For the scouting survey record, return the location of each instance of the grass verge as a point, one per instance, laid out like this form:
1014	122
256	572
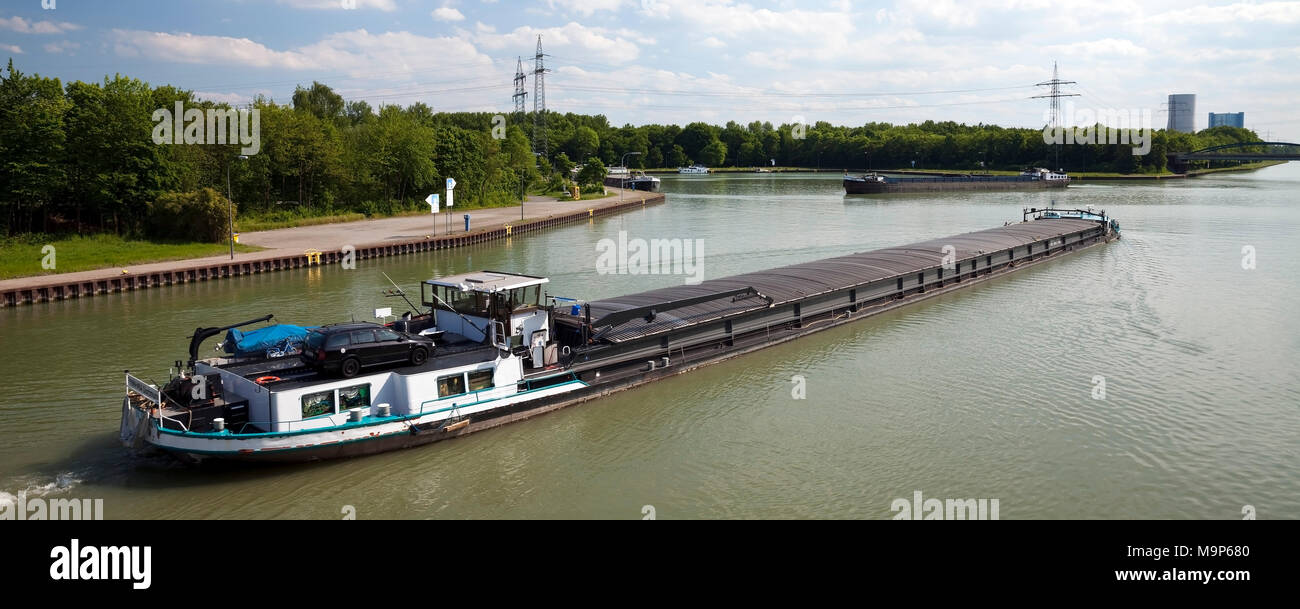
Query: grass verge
24	256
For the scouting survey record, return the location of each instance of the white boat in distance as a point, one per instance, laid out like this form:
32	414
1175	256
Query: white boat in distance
694	169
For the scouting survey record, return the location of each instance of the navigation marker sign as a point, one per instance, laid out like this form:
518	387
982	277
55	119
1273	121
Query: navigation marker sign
432	200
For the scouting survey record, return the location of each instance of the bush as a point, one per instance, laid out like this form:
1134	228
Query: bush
190	216
556	184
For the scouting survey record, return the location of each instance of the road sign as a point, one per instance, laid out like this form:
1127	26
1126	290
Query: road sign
432	200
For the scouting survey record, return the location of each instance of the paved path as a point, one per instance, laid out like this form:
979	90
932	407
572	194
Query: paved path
326	237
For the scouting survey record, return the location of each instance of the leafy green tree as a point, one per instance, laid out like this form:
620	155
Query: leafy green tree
586	142
592	175
32	111
320	100
713	154
563	164
654	158
359	112
694	137
677	157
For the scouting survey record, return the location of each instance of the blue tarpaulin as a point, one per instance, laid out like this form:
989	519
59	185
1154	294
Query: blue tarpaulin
257	342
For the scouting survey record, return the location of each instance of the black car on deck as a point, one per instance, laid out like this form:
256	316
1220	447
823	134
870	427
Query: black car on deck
347	348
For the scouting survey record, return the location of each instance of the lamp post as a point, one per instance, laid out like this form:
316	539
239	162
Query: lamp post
230	208
622	182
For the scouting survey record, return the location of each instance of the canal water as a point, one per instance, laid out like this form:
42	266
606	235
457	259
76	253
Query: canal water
990	393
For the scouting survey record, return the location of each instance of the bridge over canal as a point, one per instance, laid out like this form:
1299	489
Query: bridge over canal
1243	151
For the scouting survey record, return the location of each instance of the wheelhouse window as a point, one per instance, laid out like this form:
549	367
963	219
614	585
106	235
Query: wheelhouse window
357	396
465	303
525	297
451	385
317	404
480	380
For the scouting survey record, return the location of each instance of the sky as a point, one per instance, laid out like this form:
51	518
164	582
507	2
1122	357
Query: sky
679	61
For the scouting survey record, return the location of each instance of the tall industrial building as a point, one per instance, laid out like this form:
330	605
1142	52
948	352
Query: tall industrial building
1228	119
1182	112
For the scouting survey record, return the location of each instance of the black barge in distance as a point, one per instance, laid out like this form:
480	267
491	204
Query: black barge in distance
619	342
1029	179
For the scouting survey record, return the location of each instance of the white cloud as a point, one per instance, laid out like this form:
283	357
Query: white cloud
383	5
447	13
192	48
12	48
356	52
65	46
713	42
1092	49
571	41
23	26
585	7
1244	12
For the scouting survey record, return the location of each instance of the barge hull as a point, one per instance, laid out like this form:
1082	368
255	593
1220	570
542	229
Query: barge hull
867	187
642	358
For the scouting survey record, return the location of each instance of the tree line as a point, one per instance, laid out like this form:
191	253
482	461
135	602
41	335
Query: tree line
81	157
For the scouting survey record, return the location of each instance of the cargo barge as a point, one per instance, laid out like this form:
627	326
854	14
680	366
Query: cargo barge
875	183
506	352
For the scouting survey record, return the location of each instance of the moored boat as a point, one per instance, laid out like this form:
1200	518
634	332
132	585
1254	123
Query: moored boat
693	170
632	180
